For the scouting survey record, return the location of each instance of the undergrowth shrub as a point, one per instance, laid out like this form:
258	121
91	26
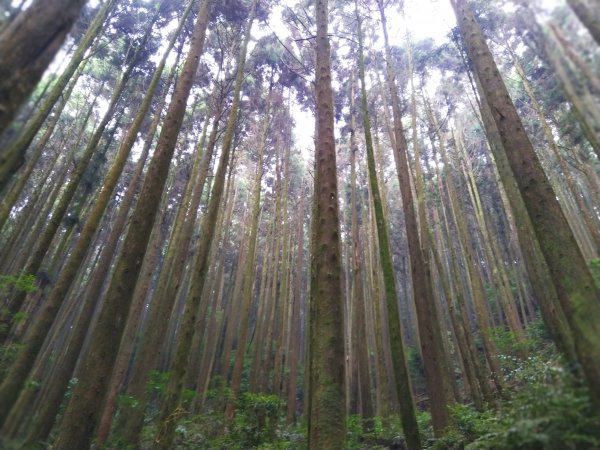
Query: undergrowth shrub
548	409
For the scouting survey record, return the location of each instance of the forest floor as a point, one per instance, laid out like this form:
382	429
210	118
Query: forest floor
545	407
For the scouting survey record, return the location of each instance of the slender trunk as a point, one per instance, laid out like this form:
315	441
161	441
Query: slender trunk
359	302
167	420
294	354
434	360
248	277
284	297
84	407
234	304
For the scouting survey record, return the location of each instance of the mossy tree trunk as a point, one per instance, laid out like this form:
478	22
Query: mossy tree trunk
170	404
326	402
402	378
37	33
85	405
571	276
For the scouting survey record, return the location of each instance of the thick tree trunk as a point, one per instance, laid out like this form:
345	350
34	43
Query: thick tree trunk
574	283
588	11
326	403
38	33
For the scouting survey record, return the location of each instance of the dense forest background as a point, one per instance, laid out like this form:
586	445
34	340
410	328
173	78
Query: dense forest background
290	224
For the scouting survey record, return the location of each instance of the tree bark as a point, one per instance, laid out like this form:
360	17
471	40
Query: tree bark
38	33
84	407
248	277
588	12
326	402
170	404
574	283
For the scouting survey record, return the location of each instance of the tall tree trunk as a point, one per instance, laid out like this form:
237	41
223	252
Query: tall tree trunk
84	407
357	292
38	33
248	277
588	11
326	403
167	420
295	335
574	283
434	358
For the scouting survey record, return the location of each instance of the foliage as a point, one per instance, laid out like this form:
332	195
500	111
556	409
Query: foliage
157	383
548	408
537	337
378	432
257	424
17	283
22	283
8	353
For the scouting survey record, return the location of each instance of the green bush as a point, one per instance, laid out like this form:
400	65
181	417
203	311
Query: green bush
22	283
257	424
548	409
